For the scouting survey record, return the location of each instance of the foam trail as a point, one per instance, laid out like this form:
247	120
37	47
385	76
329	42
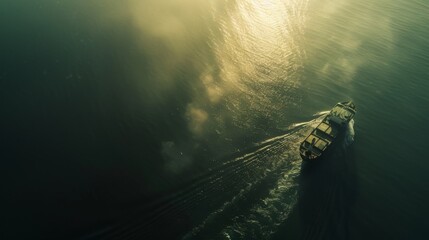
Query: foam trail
295	125
265	202
249	195
272	209
321	113
350	133
313	122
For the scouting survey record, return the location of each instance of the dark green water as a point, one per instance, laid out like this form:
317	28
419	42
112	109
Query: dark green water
181	119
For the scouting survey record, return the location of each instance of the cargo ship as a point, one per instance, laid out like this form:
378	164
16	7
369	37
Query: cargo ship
327	132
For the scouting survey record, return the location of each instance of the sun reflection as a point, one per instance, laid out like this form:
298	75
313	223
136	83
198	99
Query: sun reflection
258	53
252	58
260	37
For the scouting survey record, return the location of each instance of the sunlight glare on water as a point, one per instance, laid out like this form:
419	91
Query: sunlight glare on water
259	57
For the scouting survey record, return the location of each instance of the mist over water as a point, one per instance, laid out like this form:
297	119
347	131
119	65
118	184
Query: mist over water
182	119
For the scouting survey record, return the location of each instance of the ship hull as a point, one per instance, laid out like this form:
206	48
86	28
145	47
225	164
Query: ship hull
328	132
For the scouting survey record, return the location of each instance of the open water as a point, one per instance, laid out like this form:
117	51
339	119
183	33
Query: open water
181	119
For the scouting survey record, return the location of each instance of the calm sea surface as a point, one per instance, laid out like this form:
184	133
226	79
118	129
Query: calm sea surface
181	119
